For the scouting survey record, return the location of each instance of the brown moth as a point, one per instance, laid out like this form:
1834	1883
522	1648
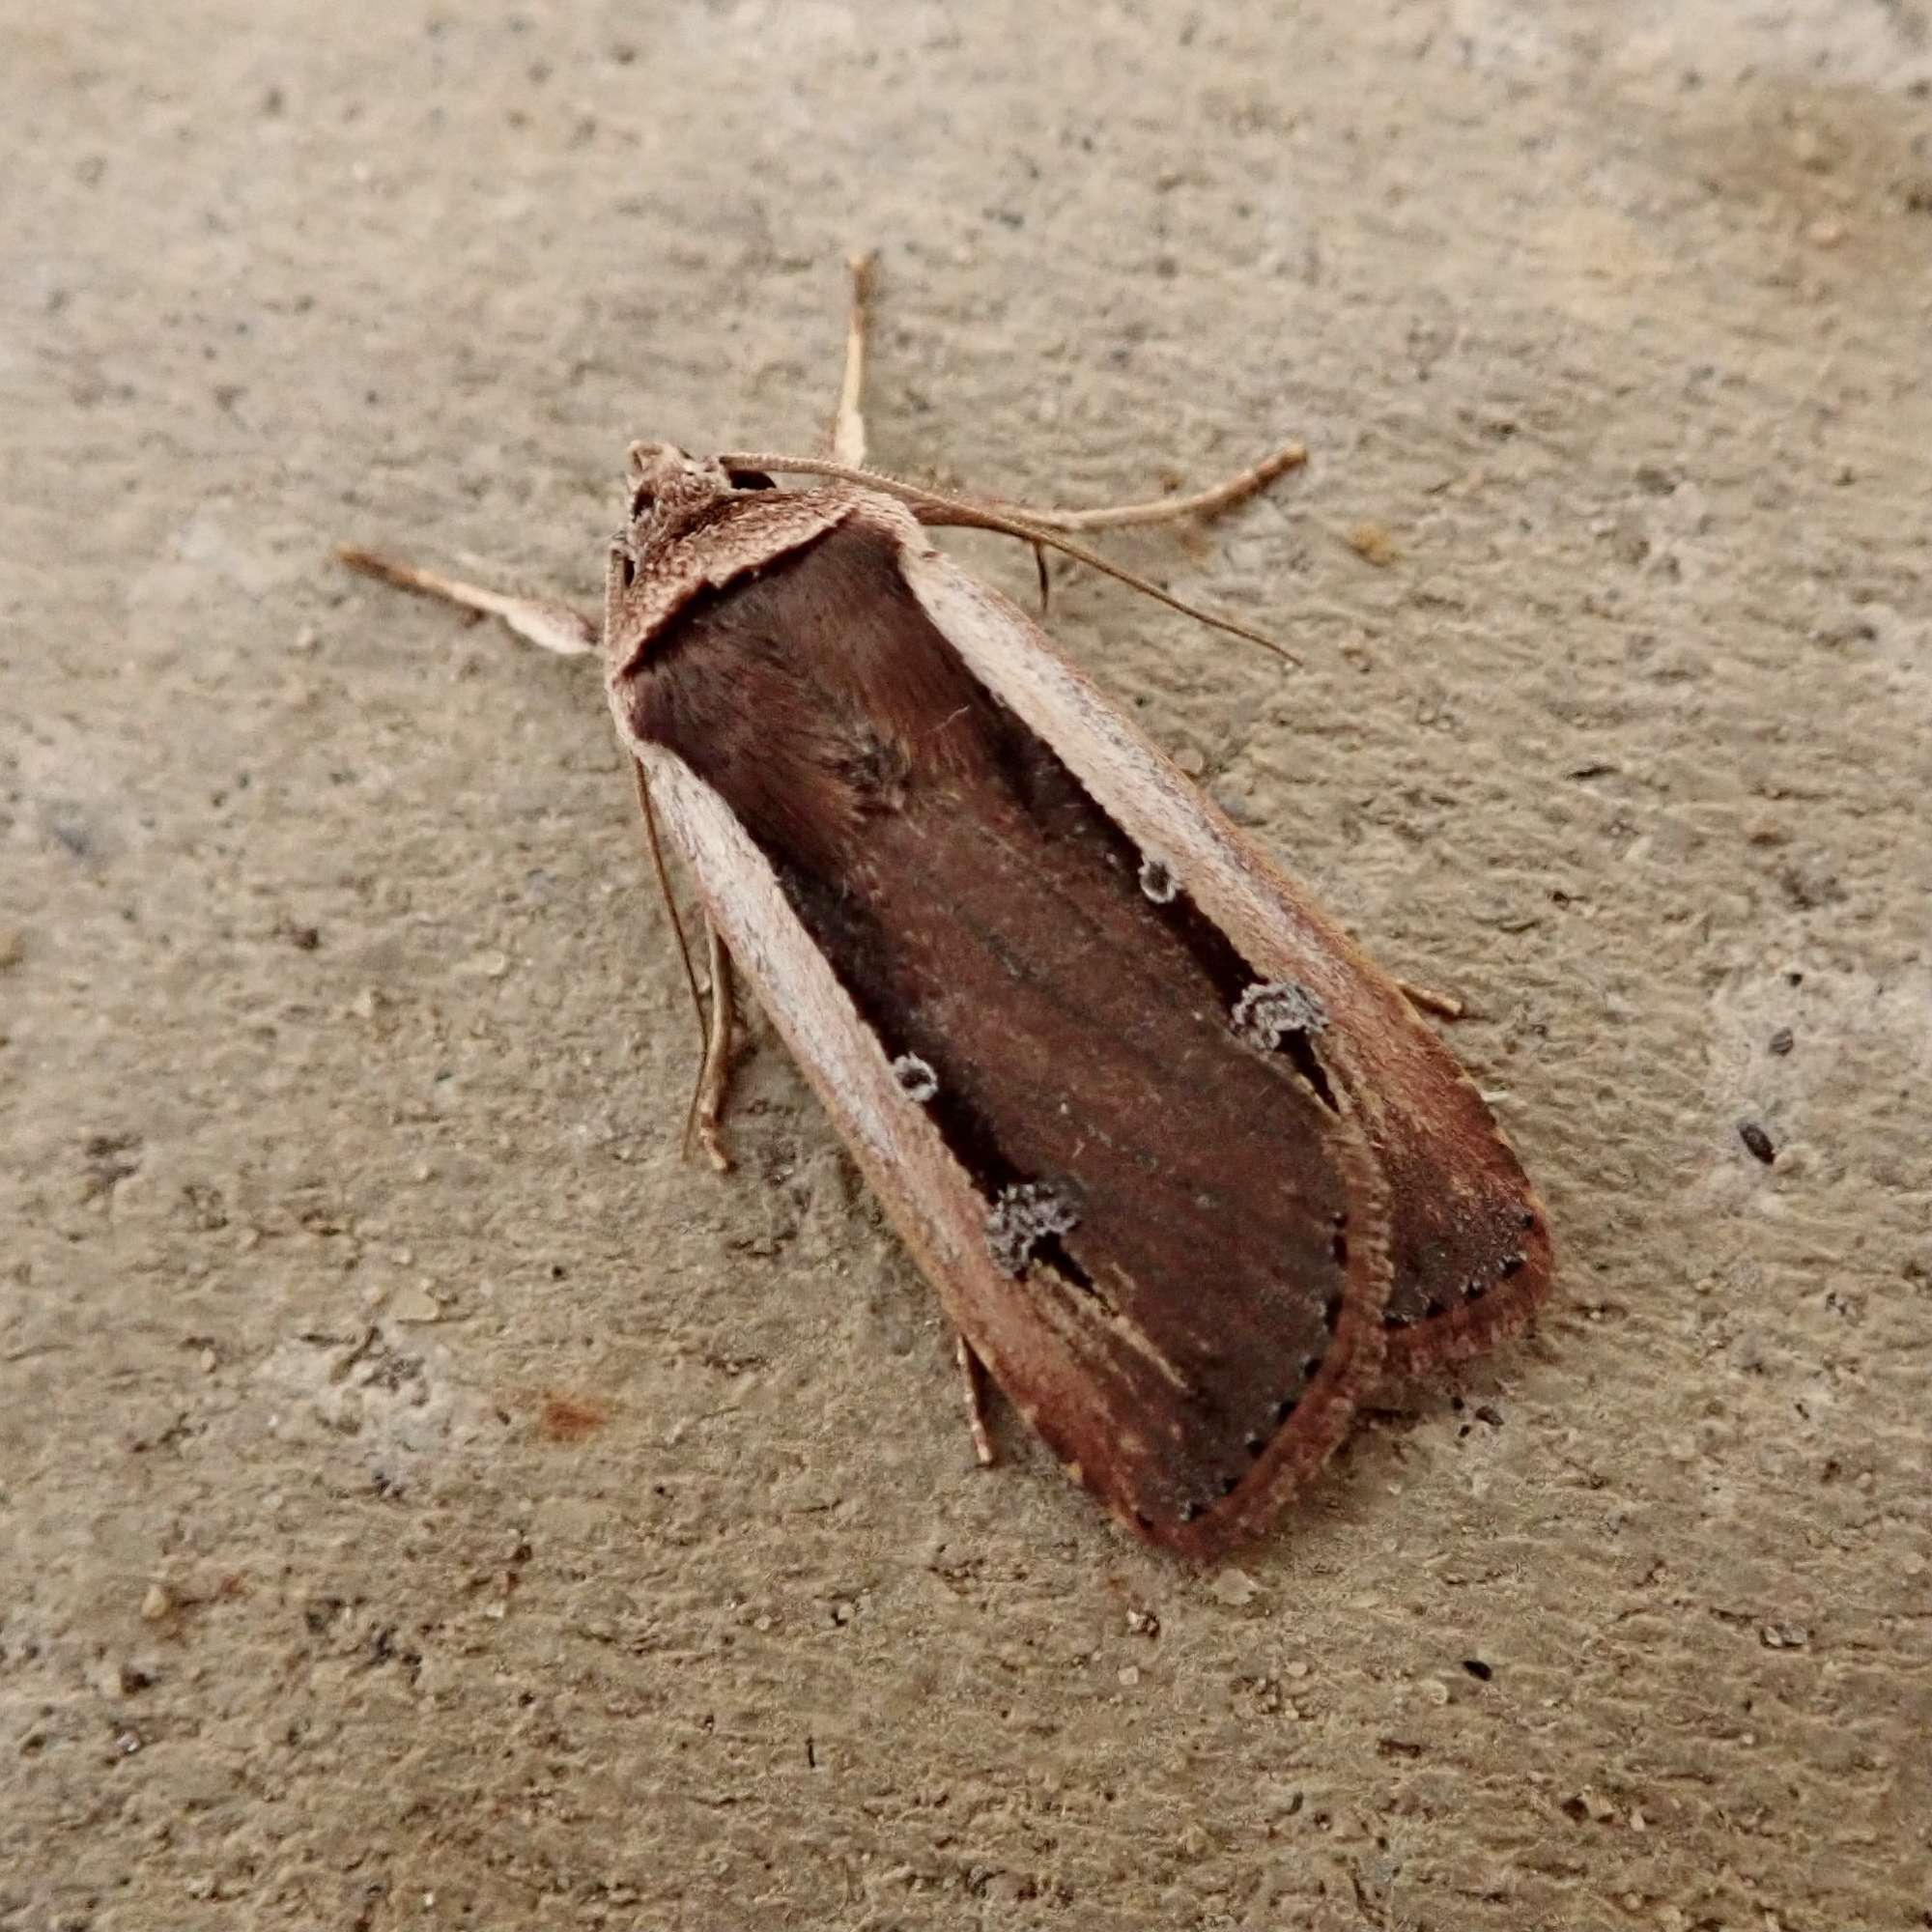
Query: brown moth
1189	1174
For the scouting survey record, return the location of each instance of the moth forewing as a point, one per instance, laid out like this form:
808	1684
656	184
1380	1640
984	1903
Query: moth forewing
1469	1245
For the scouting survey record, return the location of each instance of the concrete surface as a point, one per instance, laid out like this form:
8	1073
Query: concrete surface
427	1501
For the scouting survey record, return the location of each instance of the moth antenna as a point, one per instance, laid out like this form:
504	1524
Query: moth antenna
1039	571
663	876
965	513
1207	502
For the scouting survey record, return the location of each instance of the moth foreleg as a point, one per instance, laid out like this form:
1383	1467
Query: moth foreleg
1425	998
714	1075
547	621
974	1373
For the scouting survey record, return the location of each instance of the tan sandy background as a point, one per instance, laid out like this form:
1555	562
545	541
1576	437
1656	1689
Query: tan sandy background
428	1501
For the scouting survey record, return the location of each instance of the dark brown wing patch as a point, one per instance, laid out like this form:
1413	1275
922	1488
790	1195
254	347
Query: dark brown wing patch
1188	1208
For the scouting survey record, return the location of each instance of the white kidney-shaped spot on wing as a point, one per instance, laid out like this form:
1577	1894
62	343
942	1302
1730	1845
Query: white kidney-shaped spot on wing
1023	1216
916	1079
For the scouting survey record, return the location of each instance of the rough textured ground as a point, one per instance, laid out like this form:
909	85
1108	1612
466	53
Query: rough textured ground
426	1499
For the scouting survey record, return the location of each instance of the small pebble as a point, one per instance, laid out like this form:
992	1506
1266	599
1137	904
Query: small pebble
416	1305
1372	544
1234	1588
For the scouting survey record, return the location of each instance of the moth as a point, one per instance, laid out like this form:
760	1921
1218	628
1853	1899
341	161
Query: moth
1189	1172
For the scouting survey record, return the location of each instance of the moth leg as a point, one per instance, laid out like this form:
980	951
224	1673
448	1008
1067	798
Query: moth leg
544	620
714	1015
848	423
1209	503
1427	1000
714	1076
974	1373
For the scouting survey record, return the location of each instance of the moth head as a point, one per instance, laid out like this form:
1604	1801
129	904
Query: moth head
664	479
671	494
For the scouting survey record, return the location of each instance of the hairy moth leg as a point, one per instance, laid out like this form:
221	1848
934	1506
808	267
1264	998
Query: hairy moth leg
1427	1000
559	627
714	1076
972	1373
1207	502
849	421
545	621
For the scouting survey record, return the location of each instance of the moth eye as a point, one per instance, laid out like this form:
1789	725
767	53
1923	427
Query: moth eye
626	563
748	479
